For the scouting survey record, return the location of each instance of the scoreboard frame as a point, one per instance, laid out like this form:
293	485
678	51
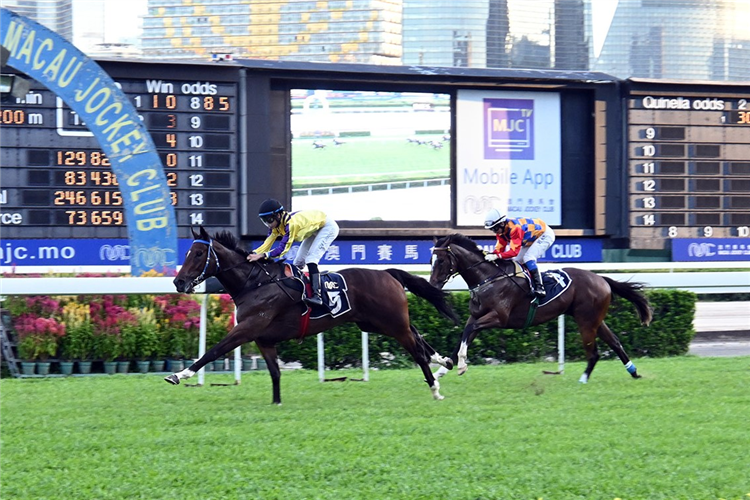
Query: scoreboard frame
688	162
57	180
604	130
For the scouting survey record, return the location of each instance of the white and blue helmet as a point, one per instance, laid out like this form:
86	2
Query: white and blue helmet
493	219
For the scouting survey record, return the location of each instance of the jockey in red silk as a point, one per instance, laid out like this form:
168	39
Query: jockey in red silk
313	228
521	239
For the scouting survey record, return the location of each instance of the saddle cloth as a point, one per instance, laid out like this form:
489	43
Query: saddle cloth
333	291
555	283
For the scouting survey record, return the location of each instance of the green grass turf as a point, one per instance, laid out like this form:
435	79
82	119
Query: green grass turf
364	160
504	432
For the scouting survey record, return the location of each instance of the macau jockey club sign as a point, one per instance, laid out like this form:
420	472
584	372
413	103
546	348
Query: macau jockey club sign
710	249
83	85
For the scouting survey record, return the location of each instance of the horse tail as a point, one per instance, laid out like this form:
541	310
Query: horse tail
422	288
632	291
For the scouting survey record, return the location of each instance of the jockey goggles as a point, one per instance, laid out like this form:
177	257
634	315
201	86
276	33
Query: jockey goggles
268	219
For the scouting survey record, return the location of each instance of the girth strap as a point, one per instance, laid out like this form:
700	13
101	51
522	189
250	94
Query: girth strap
304	323
532	312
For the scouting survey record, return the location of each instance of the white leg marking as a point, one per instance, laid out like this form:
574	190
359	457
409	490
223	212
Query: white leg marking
440	372
462	355
185	374
436	391
584	378
437	358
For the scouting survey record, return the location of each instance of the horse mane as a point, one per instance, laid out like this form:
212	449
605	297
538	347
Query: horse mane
230	241
462	241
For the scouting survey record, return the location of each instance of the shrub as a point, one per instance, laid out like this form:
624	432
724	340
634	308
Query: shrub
109	318
670	334
78	342
38	338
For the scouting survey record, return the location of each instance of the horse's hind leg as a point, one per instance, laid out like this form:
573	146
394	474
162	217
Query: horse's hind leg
614	343
588	336
272	362
434	356
421	352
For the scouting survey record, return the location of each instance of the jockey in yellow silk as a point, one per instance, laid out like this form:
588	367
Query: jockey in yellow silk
313	228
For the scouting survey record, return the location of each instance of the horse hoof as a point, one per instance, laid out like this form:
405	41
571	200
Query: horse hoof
635	375
449	364
172	379
462	370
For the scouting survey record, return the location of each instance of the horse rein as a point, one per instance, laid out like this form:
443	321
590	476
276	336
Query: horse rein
211	251
453	260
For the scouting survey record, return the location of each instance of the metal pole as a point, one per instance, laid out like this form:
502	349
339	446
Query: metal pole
202	337
365	356
321	359
561	343
237	359
237	366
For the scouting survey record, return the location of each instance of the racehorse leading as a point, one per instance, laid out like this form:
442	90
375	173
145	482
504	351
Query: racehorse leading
500	299
270	308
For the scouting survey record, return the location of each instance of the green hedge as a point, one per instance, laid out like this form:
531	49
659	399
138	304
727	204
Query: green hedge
669	334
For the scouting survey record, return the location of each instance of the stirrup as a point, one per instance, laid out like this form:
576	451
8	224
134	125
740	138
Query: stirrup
314	300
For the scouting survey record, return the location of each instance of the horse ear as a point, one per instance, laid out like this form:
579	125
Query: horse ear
204	234
195	235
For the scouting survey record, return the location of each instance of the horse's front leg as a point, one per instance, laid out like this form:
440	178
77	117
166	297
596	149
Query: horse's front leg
471	330
272	362
240	334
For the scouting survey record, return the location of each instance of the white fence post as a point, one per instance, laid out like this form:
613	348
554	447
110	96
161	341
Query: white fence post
237	360
365	356
321	359
202	337
561	343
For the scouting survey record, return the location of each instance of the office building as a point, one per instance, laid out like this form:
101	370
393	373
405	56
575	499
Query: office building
56	15
670	39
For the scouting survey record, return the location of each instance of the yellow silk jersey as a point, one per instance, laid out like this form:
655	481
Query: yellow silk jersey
295	226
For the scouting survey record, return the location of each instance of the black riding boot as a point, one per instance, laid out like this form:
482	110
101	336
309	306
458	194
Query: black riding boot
315	299
538	284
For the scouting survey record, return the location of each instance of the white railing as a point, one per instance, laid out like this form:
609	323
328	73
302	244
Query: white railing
699	282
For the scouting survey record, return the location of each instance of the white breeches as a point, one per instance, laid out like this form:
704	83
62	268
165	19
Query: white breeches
314	248
537	249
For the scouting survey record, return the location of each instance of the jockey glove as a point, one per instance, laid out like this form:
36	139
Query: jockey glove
491	257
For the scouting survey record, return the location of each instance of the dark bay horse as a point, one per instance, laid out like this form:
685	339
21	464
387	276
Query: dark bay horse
500	299
270	308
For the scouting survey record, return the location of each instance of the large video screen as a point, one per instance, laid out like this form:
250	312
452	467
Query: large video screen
369	156
509	155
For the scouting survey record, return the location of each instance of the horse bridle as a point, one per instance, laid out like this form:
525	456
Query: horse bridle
453	270
454	265
202	276
211	251
452	260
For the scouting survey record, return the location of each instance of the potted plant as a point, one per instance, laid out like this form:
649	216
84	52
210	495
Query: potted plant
146	338
219	320
180	321
78	343
109	319
38	340
128	346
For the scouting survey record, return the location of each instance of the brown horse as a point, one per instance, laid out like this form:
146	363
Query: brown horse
270	307
500	299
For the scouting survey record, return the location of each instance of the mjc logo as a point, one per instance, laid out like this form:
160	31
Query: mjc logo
331	285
